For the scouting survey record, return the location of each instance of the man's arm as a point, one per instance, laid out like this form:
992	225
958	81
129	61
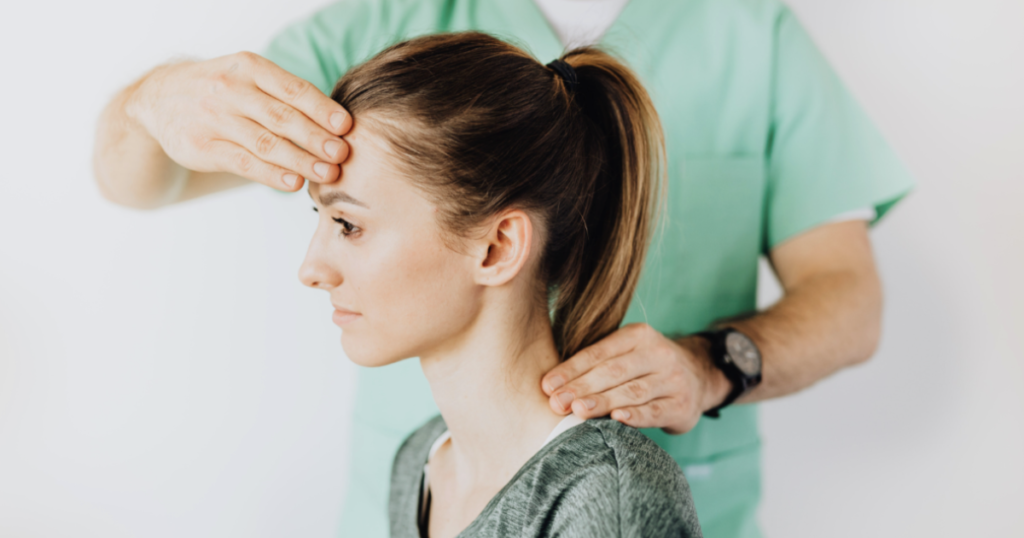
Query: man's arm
190	128
828	318
130	167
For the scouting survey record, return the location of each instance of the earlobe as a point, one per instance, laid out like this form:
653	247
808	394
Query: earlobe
508	244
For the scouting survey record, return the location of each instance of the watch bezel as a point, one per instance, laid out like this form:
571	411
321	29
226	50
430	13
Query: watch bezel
742	382
738	362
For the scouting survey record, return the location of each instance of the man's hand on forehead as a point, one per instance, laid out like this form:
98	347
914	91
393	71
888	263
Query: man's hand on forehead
242	114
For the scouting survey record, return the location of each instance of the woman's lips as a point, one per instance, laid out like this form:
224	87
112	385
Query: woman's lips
341	317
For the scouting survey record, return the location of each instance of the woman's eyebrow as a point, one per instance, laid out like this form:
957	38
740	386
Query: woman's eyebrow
334	197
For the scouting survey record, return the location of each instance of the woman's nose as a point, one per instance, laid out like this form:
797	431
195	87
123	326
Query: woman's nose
316	272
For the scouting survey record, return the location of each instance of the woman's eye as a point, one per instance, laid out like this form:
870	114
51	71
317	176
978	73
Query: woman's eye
346	227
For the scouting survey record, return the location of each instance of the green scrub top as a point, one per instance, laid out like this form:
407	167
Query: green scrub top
764	142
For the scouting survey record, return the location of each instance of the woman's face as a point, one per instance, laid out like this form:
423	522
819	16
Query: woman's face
378	252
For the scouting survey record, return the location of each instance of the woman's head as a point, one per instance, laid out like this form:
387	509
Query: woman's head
481	167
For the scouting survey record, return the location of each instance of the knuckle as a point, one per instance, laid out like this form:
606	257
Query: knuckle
300	162
665	353
676	379
644	328
207	103
279	113
266	142
244	162
578	388
202	144
588	356
219	83
246	57
615	369
686	400
655	410
295	87
637	389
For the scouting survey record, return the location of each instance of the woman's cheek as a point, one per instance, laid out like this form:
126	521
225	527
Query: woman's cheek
392	289
422	294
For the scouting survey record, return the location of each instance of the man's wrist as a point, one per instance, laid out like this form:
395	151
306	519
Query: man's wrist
716	386
136	99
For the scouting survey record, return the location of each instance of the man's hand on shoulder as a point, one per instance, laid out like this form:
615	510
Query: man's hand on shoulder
641	377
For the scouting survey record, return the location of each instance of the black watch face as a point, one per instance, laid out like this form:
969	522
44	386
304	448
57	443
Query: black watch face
743	353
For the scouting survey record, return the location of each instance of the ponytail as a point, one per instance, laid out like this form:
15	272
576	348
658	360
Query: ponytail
597	286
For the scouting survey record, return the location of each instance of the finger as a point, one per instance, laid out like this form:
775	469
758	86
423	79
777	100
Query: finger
279	151
632	393
604	376
615	344
301	95
285	121
239	161
659	413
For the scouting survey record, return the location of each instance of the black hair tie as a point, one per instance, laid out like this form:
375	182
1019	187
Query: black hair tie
566	72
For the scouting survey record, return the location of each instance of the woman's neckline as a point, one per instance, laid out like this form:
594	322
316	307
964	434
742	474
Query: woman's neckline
567	423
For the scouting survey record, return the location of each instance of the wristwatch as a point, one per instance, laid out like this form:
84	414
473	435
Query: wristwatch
736	355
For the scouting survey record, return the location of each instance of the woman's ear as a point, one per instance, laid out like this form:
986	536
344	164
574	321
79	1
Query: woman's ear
505	249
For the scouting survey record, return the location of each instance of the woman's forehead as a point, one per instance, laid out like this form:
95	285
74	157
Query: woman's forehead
363	174
369	178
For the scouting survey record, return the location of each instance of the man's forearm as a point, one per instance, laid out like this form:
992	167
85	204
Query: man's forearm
825	324
829	317
131	168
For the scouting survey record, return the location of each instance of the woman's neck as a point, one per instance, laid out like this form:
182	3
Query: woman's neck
487	387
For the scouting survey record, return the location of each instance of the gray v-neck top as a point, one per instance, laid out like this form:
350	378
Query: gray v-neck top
598	479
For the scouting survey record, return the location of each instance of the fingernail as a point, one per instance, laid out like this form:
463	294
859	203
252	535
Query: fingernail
291	180
556	382
589	403
565	399
623	415
336	119
332	147
321	169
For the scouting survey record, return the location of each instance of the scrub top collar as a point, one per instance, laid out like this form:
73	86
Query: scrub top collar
522	22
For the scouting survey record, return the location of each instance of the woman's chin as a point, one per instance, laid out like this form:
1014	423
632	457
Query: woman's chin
366	355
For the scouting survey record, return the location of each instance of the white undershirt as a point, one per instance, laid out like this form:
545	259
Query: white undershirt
580	22
584	22
566	423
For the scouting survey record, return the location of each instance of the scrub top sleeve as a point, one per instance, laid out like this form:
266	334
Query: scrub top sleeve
296	49
825	156
322	46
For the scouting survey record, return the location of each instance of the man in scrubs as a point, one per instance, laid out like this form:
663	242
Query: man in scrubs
768	154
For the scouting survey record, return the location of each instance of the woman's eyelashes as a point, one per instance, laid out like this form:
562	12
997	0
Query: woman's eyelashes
347	228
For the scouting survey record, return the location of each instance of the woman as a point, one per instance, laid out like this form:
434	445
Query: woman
492	220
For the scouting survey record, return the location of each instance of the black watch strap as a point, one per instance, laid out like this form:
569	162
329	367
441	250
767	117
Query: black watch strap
738	388
739	382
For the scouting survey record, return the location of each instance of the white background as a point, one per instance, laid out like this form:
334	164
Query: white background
165	374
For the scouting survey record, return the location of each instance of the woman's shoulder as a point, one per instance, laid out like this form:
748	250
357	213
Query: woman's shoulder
634	452
607	442
413	451
614	474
